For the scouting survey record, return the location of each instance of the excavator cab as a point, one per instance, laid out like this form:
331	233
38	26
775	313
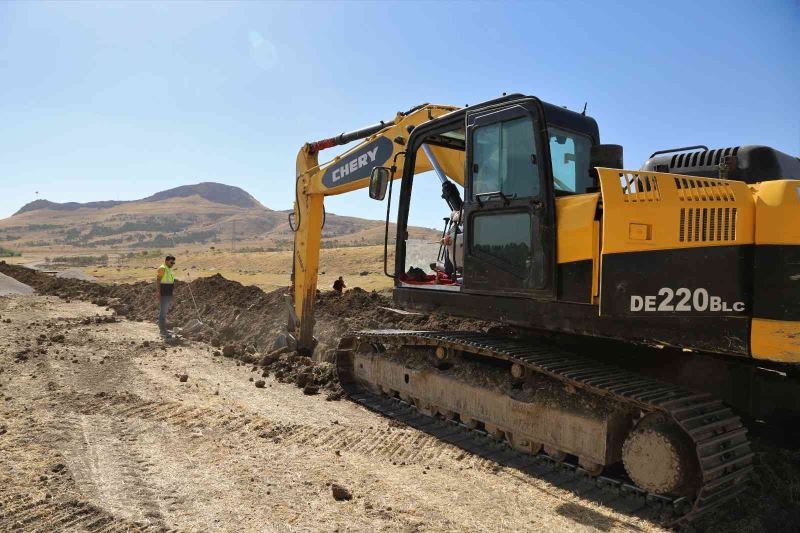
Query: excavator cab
509	162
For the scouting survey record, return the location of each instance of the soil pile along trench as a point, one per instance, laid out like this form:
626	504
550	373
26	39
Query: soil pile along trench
243	321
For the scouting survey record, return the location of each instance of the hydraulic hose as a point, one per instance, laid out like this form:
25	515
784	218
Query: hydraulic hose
344	138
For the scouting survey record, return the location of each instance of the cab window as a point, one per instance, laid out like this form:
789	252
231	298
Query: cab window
505	237
569	157
504	159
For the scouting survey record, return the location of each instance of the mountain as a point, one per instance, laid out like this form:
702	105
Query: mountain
213	192
69	206
207	214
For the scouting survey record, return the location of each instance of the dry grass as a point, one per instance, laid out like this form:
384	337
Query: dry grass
267	270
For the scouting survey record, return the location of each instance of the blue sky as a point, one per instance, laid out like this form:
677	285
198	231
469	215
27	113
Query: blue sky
119	100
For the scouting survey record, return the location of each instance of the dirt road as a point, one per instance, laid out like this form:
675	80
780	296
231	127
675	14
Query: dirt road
9	285
101	431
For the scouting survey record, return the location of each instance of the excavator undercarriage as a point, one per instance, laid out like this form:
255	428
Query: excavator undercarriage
687	448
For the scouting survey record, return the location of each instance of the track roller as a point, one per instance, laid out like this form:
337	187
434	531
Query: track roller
494	431
523	444
555	454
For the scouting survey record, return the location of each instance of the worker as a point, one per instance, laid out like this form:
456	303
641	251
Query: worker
338	285
165	282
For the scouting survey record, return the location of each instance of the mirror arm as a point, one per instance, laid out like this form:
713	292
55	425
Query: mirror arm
386	232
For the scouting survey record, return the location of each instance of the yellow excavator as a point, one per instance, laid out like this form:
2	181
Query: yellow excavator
646	317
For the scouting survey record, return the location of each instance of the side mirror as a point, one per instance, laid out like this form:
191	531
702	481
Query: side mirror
378	181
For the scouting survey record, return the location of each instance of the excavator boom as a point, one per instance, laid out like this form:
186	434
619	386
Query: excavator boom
382	145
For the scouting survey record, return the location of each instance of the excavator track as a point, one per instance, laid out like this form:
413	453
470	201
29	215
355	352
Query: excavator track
721	448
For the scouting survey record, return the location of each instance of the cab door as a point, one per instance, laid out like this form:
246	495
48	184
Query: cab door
508	210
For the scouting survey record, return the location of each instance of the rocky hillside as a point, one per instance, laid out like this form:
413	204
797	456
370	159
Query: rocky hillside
207	214
218	193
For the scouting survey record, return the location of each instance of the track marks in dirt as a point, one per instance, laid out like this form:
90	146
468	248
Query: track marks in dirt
105	460
43	495
391	444
21	511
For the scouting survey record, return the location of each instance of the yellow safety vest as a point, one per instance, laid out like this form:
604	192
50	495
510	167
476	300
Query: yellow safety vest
168	276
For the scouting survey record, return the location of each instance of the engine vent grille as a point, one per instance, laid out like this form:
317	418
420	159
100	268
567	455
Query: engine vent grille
699	190
639	187
707	224
701	159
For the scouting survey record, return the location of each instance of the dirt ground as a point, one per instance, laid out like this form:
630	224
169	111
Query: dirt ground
103	428
251	441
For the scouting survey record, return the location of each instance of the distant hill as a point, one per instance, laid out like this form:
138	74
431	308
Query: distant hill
211	214
213	192
68	206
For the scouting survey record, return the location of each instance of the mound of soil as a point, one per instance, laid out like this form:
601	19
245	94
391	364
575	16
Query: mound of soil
244	320
235	313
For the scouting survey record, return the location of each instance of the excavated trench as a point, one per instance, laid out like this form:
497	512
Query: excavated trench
243	321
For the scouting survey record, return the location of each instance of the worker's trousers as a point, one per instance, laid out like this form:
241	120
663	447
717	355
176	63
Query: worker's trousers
165	300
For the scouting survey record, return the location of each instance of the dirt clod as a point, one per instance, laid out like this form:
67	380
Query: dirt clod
183	378
340	493
260	384
303	379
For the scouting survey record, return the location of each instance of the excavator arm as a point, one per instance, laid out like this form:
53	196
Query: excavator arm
383	145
